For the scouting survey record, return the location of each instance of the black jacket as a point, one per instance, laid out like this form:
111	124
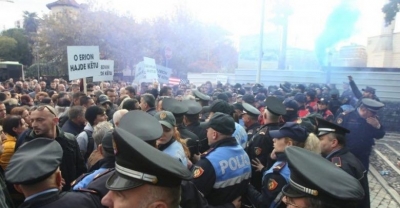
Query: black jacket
72	164
345	160
72	128
64	199
201	134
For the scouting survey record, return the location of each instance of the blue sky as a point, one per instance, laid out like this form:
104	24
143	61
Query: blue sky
241	17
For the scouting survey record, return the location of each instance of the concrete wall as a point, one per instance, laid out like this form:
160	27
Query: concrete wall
385	80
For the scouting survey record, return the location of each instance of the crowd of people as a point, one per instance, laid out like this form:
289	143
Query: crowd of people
215	145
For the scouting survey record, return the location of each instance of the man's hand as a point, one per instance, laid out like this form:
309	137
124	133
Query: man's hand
257	164
350	78
374	122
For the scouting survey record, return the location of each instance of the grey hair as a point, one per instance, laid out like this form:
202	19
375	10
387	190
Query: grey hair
100	130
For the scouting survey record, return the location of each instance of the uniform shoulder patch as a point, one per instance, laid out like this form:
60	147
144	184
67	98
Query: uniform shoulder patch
337	161
207	152
250	131
279	167
264	130
103	173
272	184
257	150
87	191
197	171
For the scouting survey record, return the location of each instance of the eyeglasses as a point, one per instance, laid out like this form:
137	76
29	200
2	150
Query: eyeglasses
42	107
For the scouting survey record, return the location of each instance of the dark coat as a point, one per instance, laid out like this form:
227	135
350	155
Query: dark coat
72	128
64	199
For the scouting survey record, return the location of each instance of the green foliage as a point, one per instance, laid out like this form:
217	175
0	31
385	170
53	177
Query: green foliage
22	51
126	40
30	21
390	9
8	48
45	69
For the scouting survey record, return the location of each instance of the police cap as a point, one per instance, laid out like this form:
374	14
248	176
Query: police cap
326	127
138	163
200	96
193	107
275	106
106	142
372	105
291	105
174	106
291	130
34	162
248	98
166	118
369	89
142	125
313	175
221	123
250	110
323	101
220	106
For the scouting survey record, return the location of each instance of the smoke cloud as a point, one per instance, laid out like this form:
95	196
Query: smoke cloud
339	26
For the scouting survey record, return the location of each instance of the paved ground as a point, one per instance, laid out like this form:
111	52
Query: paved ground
380	198
385	189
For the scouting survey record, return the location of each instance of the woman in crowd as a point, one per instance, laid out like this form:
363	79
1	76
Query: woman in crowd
12	127
23	112
290	134
170	142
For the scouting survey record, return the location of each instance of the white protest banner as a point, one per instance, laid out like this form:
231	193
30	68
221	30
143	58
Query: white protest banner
140	73
106	72
150	68
163	74
83	61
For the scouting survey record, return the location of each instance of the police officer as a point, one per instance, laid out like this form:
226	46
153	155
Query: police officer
223	172
260	146
323	109
35	171
275	178
142	124
333	147
364	126
316	182
179	110
192	123
143	175
203	100
250	119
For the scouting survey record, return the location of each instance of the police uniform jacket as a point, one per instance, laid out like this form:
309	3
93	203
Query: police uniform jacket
349	163
98	184
63	200
327	115
361	137
83	181
201	134
72	165
261	146
186	134
223	172
174	149
273	181
252	130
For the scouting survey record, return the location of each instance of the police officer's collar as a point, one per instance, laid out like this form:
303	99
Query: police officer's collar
162	147
224	142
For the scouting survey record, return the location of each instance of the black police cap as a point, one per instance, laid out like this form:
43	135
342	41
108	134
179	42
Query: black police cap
174	106
248	98
372	105
291	130
200	96
250	110
326	127
313	175
369	89
34	162
275	106
138	163
220	106
142	125
221	123
193	107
